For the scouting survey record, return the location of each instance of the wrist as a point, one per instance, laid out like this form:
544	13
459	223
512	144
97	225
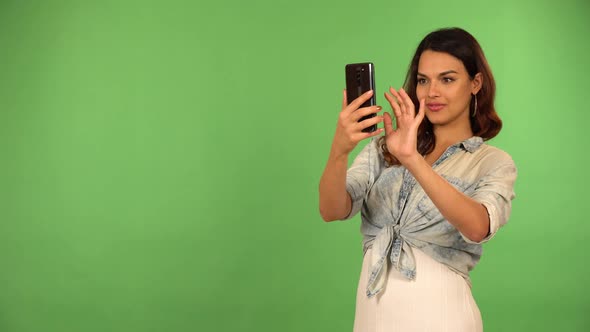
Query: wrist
338	153
412	162
338	156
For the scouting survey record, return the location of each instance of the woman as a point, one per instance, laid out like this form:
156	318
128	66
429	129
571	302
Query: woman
430	191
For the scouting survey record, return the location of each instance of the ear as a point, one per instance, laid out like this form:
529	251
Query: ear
476	83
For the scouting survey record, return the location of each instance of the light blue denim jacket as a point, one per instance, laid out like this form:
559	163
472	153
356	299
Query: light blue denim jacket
397	214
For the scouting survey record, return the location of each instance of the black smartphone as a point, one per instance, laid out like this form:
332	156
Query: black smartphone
360	78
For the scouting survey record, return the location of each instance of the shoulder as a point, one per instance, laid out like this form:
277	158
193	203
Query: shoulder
494	153
370	154
372	148
490	158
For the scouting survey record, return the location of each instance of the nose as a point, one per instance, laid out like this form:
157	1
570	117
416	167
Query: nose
433	90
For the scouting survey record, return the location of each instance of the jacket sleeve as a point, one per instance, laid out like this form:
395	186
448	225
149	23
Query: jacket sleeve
361	175
495	191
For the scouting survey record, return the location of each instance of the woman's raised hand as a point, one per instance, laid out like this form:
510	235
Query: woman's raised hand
349	131
402	141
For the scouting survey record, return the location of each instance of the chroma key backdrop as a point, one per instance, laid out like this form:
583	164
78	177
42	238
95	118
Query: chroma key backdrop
160	160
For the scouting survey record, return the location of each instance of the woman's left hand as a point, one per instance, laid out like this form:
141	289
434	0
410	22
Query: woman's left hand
402	141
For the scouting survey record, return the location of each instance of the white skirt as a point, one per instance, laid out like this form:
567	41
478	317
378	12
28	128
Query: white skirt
438	299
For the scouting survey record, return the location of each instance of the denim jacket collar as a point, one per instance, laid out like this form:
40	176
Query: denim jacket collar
471	144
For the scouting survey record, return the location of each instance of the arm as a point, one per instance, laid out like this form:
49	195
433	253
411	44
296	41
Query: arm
467	215
335	202
464	213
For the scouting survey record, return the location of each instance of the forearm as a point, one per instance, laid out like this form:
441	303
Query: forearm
335	201
467	215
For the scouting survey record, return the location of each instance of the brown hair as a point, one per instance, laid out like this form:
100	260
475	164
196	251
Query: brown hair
463	46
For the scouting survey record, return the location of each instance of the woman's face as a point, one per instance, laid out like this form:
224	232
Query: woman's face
445	85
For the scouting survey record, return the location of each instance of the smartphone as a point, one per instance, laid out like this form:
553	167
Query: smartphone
360	78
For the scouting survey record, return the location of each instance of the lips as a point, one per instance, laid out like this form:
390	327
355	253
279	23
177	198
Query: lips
435	107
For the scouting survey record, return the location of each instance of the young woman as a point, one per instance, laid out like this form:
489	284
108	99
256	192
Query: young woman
430	191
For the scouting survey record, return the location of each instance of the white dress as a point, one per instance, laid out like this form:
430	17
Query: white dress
438	299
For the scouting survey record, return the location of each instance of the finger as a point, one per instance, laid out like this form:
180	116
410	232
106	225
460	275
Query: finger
394	105
366	123
400	101
355	104
407	101
362	112
387	124
344	99
363	135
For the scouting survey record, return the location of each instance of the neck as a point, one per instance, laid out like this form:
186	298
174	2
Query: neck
451	134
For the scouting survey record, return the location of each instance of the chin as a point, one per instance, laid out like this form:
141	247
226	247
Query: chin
440	119
435	119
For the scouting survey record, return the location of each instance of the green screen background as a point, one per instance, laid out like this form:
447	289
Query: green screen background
160	161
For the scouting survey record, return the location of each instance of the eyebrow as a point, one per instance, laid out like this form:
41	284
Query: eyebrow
441	74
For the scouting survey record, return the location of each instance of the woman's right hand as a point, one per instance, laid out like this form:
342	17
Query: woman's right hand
349	131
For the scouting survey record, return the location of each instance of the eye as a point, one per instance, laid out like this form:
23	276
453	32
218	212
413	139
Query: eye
421	81
448	79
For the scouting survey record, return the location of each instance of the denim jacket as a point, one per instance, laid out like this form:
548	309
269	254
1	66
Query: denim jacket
396	213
